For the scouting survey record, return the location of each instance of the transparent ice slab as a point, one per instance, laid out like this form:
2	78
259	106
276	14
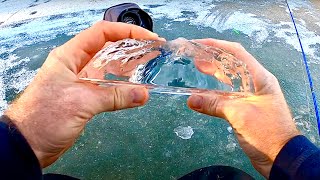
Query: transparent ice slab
179	66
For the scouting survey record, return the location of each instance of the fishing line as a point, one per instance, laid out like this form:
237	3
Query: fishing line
313	93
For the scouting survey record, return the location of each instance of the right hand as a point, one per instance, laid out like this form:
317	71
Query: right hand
262	123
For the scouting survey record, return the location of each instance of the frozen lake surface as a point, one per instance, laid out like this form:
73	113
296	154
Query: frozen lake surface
164	139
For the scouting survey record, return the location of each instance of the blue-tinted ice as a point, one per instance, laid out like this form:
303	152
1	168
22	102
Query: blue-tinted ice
177	67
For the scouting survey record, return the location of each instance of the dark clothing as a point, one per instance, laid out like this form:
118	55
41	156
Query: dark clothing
217	172
298	159
17	160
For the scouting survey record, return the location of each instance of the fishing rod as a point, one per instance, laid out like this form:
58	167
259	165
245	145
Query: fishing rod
313	93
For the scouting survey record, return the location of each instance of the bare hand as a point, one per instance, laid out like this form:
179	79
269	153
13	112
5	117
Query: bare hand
55	107
262	123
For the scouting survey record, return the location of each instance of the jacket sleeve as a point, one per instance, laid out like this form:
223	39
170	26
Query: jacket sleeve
298	159
17	159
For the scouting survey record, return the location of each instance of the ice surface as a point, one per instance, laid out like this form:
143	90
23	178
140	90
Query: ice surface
179	66
268	36
184	132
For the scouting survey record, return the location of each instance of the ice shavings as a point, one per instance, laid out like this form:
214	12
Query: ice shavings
308	37
206	13
3	102
15	77
247	23
29	32
260	29
22	79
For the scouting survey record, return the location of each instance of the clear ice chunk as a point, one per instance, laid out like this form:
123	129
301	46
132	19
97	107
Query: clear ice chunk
179	66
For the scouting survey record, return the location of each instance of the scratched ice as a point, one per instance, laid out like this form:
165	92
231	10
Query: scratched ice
179	66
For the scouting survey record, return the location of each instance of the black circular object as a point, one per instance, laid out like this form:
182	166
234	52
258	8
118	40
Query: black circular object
217	173
131	19
129	13
130	16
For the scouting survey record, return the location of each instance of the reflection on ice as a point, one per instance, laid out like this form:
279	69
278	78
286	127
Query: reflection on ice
178	67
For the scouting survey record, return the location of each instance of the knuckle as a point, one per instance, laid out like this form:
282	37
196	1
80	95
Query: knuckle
238	46
270	84
57	53
101	23
54	52
273	78
212	105
117	99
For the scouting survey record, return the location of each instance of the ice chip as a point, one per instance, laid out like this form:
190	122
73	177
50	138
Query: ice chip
179	66
184	132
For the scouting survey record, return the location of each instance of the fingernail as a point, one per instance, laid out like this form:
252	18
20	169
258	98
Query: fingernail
159	37
138	95
196	102
154	34
162	39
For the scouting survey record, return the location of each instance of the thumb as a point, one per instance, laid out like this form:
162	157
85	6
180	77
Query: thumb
117	98
211	104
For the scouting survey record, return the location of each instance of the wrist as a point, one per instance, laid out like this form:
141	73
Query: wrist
18	141
16	121
27	124
265	170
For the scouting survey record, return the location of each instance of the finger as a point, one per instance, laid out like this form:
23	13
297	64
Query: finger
117	97
259	74
206	67
79	50
210	104
234	48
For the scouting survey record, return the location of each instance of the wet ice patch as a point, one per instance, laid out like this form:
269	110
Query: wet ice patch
184	132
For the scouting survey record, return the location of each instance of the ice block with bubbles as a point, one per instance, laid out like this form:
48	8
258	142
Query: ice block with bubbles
179	66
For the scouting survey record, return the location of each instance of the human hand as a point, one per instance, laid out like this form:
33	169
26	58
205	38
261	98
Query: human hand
262	122
55	107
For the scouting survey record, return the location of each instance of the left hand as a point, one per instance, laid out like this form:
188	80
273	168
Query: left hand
55	107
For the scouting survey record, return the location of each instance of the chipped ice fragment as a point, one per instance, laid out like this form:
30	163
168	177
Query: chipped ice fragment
230	129
184	132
